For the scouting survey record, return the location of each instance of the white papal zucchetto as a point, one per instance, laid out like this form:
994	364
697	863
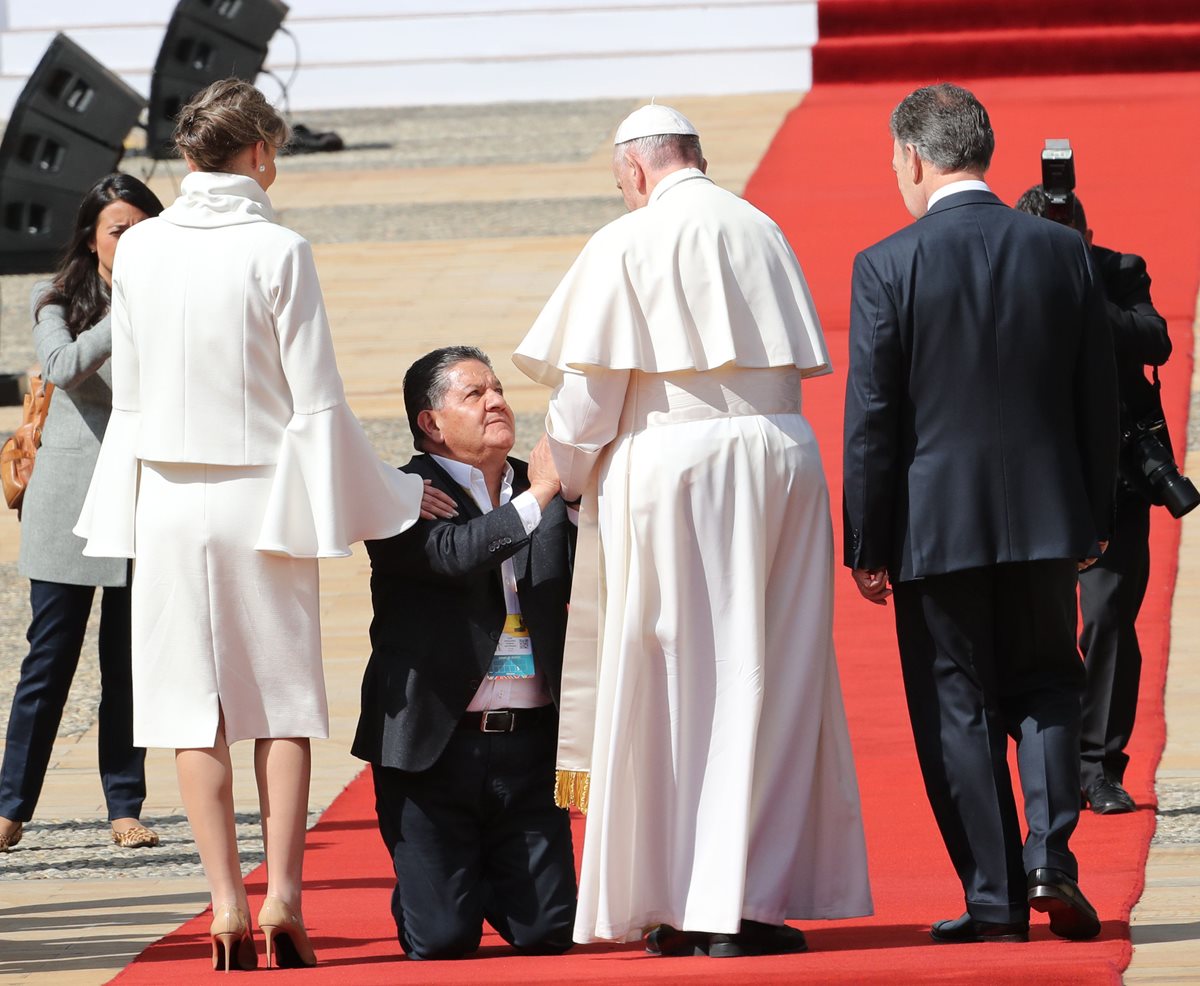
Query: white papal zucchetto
651	121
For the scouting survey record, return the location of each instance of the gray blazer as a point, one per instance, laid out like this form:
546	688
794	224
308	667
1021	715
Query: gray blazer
79	412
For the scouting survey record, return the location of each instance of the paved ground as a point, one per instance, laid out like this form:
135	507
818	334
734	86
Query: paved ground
436	225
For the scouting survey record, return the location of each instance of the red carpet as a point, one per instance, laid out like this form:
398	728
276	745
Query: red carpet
828	181
864	40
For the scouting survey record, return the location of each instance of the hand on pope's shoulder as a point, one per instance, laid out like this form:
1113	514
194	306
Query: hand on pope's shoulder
435	504
544	483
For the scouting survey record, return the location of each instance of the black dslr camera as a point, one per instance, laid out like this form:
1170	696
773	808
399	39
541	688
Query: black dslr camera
1058	179
1151	454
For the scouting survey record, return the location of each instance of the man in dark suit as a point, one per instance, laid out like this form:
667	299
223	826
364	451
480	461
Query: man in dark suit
980	457
1112	590
459	699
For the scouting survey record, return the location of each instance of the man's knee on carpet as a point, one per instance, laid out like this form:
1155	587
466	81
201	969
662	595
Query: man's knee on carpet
546	931
443	940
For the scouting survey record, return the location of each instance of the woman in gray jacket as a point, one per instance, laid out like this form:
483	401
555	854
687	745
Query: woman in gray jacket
74	340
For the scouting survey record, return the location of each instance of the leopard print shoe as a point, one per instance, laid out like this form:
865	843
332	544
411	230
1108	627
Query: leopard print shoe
8	842
138	837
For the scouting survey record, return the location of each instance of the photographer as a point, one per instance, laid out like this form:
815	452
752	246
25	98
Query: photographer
1111	591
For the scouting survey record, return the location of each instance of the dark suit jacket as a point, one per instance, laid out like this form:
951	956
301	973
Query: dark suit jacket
981	404
1141	340
439	610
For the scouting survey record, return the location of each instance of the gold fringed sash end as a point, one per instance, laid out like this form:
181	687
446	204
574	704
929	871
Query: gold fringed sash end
571	788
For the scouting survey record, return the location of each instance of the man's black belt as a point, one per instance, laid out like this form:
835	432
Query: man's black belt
506	720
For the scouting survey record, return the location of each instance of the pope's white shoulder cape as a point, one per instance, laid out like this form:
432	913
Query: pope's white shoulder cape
697	279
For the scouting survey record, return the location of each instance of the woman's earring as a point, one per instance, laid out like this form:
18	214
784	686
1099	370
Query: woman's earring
262	167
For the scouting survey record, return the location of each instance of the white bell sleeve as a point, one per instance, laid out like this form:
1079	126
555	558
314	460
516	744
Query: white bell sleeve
106	521
330	488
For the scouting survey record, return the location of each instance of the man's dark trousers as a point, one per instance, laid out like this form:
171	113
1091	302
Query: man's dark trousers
989	653
1110	596
477	836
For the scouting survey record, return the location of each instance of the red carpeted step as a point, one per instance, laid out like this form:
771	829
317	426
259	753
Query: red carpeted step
855	18
951	55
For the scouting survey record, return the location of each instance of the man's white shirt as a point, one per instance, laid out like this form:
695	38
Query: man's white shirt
503	693
966	185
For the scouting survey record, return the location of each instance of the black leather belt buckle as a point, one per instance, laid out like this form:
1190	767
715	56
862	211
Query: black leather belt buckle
497	721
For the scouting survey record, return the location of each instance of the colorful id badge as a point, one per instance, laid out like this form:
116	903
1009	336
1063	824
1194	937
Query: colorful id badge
514	651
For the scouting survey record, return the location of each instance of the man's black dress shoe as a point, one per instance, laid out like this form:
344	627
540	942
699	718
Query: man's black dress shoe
756	938
1108	797
665	940
966	930
1071	916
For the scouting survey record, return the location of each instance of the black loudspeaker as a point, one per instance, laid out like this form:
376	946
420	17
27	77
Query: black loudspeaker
206	40
66	131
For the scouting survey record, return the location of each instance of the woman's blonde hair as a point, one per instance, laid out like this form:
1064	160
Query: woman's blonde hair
218	122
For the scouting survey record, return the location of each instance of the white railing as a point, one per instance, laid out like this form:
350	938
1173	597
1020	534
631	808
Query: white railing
418	52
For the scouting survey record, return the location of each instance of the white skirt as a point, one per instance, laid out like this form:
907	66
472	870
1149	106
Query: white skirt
220	630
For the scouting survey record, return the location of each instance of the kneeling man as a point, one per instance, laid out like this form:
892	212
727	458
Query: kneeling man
459	718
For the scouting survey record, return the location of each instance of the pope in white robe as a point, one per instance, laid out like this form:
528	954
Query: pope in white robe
702	722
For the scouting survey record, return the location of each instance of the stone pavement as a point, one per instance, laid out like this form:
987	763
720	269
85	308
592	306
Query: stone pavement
435	226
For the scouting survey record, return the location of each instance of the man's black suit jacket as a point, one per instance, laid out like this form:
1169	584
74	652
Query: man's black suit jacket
438	612
1141	340
981	404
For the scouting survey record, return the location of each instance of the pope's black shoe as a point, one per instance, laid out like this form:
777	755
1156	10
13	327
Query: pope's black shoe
665	940
966	930
1071	916
1108	797
756	938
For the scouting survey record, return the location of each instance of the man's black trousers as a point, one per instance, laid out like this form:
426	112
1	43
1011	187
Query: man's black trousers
986	654
1110	596
477	836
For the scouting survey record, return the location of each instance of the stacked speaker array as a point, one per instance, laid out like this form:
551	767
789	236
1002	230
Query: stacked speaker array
206	40
67	129
69	125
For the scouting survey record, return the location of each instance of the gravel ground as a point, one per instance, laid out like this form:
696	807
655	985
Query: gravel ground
454	136
453	220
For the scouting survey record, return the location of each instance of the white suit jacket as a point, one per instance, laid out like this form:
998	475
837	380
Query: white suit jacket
222	355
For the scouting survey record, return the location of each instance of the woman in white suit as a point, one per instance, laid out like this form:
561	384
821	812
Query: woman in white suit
231	463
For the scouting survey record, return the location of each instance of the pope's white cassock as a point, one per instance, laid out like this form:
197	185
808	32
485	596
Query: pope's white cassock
707	707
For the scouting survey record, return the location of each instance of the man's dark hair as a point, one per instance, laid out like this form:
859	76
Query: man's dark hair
427	379
1036	203
947	125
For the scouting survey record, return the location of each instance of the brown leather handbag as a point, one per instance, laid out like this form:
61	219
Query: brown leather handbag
19	452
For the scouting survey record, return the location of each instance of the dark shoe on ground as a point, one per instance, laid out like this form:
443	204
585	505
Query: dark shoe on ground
665	940
1071	916
1108	797
966	930
756	938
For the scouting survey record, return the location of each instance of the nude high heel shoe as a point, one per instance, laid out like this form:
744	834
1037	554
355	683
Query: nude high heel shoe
232	942
288	946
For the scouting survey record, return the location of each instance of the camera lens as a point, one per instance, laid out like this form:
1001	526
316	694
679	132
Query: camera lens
1178	493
